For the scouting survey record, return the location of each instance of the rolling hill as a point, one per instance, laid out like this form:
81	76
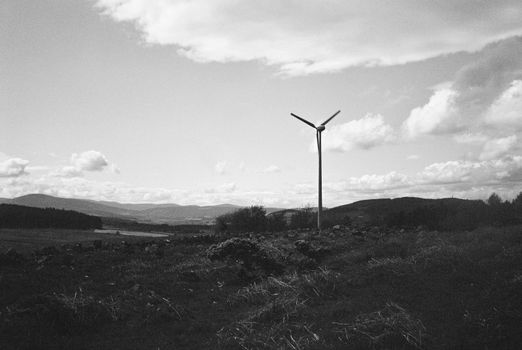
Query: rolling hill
146	212
375	210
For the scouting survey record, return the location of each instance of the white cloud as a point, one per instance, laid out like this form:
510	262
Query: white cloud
365	133
13	167
485	93
460	178
498	147
89	161
506	111
308	36
272	169
85	161
437	116
221	167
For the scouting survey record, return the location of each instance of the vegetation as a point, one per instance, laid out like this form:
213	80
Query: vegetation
131	225
17	216
252	219
356	286
449	215
349	288
434	214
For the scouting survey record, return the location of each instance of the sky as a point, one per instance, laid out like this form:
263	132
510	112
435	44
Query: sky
189	102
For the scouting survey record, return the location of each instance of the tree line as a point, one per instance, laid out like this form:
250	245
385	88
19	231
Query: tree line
443	216
255	219
17	216
439	215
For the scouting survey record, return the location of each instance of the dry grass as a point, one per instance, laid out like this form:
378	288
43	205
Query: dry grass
381	328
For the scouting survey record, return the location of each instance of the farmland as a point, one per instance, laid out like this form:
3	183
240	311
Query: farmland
349	288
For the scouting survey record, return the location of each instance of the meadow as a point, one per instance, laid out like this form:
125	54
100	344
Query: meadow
348	288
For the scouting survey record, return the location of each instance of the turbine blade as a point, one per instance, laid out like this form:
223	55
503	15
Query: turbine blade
327	120
303	120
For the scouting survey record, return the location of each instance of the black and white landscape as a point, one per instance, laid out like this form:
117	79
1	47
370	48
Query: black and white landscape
237	174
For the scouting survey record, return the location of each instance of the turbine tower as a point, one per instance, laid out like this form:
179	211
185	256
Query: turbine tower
318	130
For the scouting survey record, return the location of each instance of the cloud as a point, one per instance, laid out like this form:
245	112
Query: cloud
460	178
498	147
413	157
437	116
89	161
221	167
485	97
309	36
272	169
506	111
13	167
85	161
365	133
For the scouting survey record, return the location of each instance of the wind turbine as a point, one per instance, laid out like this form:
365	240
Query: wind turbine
318	130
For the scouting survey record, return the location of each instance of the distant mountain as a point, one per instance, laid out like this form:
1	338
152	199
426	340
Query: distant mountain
147	212
80	205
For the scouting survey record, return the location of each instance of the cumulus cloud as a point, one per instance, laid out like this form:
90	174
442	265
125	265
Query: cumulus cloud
365	133
436	116
485	97
496	148
461	178
506	111
308	36
85	161
13	167
89	161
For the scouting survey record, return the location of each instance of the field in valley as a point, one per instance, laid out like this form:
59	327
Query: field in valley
27	240
350	288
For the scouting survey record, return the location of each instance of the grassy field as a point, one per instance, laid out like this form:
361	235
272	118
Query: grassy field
27	240
345	289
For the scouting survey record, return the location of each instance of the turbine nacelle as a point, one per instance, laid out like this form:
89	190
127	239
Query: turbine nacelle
320	127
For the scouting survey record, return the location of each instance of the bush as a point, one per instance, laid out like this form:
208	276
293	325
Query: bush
252	219
276	222
250	254
303	218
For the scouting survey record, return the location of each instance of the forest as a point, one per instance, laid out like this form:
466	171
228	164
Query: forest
18	216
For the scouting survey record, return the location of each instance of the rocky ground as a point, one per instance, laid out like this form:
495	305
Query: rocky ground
348	288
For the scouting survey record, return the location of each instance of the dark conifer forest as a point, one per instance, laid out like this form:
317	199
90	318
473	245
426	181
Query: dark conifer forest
17	216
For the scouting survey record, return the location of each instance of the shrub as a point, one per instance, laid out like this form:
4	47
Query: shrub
250	254
303	218
276	222
307	249
252	219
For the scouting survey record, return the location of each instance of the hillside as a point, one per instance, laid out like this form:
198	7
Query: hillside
146	212
377	210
